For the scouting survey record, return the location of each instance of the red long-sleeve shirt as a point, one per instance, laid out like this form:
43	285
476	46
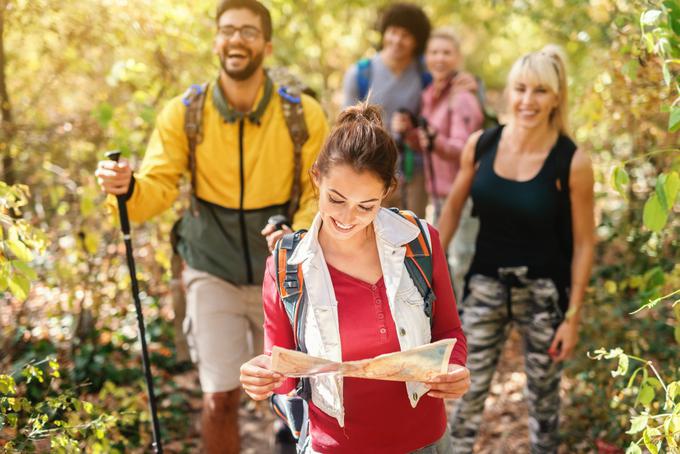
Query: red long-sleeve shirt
378	415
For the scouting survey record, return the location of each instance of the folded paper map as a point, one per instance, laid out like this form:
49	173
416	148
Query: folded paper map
419	364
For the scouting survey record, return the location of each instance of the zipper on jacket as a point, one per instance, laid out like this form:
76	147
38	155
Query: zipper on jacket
241	213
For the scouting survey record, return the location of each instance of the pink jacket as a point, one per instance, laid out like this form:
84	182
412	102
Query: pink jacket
454	115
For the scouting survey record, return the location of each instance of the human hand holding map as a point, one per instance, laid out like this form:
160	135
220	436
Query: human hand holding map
418	364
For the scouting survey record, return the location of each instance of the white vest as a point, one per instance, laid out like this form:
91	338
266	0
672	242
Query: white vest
322	332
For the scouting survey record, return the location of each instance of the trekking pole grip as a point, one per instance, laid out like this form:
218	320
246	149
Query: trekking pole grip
114	155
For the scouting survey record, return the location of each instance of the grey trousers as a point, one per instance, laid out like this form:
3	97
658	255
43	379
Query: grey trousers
488	311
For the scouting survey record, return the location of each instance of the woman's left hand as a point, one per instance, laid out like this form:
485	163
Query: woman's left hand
565	340
450	385
272	235
423	139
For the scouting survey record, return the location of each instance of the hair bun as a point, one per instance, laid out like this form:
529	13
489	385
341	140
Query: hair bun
361	112
555	52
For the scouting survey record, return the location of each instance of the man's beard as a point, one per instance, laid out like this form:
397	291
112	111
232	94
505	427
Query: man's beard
248	71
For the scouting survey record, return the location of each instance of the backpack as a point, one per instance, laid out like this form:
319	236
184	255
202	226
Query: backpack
291	289
490	117
290	93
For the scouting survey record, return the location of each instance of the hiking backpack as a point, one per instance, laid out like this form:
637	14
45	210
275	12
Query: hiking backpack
290	90
291	289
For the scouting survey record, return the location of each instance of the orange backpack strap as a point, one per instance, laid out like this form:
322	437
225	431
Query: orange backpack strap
418	261
291	288
290	284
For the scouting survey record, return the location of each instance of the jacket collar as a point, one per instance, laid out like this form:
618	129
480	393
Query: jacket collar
389	227
231	115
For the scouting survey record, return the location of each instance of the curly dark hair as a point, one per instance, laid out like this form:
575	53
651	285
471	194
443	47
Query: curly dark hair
412	18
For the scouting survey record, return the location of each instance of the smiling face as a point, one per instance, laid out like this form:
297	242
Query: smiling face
442	57
348	200
398	44
240	44
531	102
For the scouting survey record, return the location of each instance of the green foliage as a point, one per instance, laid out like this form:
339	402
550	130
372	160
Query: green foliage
85	76
657	431
18	241
657	426
661	35
62	420
660	204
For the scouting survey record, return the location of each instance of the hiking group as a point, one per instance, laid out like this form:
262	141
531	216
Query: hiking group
288	239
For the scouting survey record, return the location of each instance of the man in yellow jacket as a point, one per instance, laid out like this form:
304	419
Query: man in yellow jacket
244	172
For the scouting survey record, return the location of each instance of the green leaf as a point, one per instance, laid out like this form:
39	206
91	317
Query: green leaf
19	286
649	42
673	390
633	449
673	9
653	215
88	407
632	377
24	269
666	73
676	333
637	424
646	394
648	442
19	249
674	119
660	191
620	180
671	188
7	385
654	382
654	278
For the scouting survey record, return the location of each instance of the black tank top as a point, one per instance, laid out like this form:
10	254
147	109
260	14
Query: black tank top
524	223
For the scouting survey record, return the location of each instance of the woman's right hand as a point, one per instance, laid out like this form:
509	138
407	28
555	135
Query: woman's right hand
400	123
258	381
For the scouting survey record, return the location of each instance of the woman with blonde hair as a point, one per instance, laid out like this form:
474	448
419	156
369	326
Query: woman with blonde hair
532	189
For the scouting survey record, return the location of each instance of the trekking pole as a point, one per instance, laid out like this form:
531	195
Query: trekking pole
125	227
422	123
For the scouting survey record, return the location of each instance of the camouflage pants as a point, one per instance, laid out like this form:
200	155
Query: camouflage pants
487	313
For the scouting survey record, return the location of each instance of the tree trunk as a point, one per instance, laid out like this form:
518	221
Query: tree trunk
6	123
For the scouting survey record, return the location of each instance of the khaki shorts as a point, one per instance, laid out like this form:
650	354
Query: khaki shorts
223	326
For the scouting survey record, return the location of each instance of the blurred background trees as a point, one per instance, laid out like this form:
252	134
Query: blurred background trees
80	77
